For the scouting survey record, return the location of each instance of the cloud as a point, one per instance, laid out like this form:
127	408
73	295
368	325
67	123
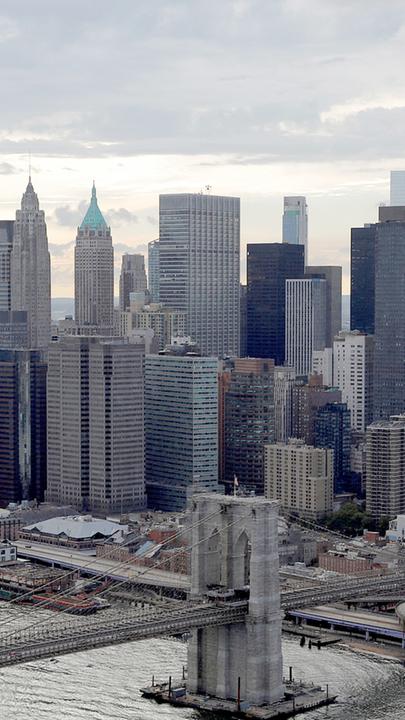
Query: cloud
7	169
125	248
152	220
70	216
60	249
122	216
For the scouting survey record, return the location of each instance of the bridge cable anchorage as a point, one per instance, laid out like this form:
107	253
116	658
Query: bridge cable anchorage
124	564
57	626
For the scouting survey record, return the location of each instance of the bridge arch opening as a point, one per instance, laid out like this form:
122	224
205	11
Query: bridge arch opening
242	560
214	559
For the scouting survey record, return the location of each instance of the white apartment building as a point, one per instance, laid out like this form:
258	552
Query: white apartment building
353	355
305	322
300	477
322	364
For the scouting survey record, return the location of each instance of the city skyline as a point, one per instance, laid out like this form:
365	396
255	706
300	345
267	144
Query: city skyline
327	128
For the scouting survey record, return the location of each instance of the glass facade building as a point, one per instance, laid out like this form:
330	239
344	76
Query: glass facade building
269	265
362	279
153	270
181	429
332	430
199	242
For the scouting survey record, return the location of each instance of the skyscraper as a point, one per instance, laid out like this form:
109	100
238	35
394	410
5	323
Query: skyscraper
94	271
95	424
333	276
6	244
132	278
389	365
362	279
181	428
153	271
284	378
332	430
268	267
23	423
397	187
30	270
295	222
249	421
353	358
385	489
307	398
199	248
305	322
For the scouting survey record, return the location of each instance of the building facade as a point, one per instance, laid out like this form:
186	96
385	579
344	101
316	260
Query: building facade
181	428
30	270
333	276
249	421
307	398
284	378
300	477
199	254
362	279
95	424
153	271
295	222
6	244
165	322
305	322
132	278
332	430
94	271
269	265
23	424
389	353
353	365
385	453
397	187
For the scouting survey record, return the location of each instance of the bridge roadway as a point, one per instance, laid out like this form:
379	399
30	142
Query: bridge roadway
91	565
45	638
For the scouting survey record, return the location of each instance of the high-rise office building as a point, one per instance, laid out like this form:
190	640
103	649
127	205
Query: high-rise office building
243	321
333	276
94	271
307	398
397	187
362	279
385	464
332	430
295	222
6	244
300	477
199	249
284	378
22	426
249	421
165	323
13	329
153	271
181	428
95	424
269	265
353	359
389	353
30	270
305	322
132	278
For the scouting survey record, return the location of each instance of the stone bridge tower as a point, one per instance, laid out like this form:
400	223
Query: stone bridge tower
235	542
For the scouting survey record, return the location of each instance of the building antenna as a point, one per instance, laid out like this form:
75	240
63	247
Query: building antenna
29	165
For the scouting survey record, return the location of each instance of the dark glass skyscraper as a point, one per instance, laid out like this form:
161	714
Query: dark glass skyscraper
362	290
389	357
332	430
269	265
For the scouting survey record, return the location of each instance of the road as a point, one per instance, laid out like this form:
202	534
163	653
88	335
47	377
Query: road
76	560
368	623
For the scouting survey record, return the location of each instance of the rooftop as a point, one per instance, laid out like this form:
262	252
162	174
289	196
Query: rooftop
93	218
76	528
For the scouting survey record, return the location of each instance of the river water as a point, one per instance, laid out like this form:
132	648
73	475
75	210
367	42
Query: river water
103	684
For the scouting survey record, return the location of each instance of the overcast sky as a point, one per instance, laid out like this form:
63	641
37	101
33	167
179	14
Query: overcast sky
258	98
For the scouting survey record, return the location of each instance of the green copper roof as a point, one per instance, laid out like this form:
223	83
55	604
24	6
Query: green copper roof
93	218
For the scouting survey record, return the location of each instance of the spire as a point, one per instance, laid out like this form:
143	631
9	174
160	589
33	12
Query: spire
93	218
29	200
